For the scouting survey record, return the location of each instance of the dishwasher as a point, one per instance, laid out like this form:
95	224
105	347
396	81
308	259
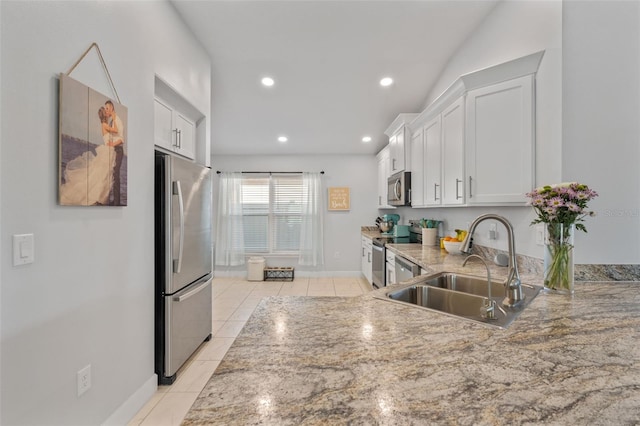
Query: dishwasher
405	269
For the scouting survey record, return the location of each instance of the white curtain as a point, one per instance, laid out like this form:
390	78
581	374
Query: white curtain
229	230
311	232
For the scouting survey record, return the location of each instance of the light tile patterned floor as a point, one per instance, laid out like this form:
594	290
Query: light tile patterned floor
234	300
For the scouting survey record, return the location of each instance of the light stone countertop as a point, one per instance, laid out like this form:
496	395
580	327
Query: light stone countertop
330	360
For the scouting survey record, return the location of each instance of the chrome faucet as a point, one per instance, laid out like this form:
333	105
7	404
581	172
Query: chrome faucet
512	286
489	305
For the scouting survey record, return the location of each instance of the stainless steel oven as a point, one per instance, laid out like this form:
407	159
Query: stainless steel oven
378	263
379	257
399	189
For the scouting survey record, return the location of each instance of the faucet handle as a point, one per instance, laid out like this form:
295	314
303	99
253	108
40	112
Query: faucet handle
488	309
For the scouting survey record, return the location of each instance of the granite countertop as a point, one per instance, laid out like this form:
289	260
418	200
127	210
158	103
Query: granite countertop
331	360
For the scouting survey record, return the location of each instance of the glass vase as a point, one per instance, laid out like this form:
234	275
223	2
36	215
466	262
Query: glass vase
558	258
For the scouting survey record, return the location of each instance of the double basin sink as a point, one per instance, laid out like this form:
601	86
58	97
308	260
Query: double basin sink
461	296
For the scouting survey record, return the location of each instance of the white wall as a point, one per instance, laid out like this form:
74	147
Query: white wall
601	126
341	229
87	299
513	29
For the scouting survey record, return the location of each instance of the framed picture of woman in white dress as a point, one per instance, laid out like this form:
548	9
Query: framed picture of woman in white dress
92	147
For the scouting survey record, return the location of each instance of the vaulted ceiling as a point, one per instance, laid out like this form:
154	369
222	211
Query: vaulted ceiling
327	59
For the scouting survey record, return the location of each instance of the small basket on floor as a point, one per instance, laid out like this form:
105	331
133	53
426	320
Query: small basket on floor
278	274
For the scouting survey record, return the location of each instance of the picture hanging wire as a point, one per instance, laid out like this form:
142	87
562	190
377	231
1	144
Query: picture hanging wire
269	173
104	65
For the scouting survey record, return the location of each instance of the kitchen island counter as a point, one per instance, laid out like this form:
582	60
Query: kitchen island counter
329	360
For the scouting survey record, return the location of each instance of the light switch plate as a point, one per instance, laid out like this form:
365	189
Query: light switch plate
23	249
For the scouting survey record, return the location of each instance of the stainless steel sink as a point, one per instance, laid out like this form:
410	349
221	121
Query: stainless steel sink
460	296
465	284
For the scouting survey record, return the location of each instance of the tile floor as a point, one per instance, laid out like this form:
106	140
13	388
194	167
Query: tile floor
234	299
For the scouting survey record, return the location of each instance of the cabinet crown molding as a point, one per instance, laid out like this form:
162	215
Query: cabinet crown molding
505	71
401	120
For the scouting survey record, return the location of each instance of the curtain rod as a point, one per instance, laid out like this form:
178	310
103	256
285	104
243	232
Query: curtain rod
264	173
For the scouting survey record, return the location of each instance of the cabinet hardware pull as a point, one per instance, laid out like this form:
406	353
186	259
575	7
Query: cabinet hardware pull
393	164
176	142
470	193
369	257
458	181
435	192
362	251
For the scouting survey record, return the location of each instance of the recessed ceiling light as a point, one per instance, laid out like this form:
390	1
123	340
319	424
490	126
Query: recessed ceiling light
366	139
387	81
267	81
282	139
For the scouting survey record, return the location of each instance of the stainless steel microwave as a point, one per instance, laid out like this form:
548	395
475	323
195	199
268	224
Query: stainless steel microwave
399	189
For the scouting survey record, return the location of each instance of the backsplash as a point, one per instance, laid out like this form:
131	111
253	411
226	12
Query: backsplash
532	265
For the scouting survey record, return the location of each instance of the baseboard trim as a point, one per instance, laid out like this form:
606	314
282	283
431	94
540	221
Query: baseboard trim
133	404
298	273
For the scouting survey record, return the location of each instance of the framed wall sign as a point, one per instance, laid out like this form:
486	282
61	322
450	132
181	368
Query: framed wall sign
92	144
339	198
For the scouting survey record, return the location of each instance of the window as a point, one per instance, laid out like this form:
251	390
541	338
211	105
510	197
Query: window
272	213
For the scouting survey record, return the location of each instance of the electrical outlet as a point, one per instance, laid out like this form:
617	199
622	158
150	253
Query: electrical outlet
539	234
493	231
84	379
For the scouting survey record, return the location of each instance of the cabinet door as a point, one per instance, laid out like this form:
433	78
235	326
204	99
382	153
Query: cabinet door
163	128
500	142
393	154
453	188
417	169
432	162
185	135
383	176
367	261
391	274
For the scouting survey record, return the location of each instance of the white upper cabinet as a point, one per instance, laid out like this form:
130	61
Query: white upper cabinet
478	139
432	162
400	143
417	169
383	176
179	128
173	131
500	142
453	188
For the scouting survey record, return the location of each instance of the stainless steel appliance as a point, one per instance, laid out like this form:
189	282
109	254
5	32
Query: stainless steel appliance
399	189
378	272
405	269
183	262
379	255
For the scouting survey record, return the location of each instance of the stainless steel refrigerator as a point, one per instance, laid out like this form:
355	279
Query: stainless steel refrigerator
183	262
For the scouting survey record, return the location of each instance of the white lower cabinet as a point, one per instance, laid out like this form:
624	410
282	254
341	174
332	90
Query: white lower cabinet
390	268
367	260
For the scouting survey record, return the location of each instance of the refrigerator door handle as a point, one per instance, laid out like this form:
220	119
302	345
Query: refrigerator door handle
177	263
193	291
